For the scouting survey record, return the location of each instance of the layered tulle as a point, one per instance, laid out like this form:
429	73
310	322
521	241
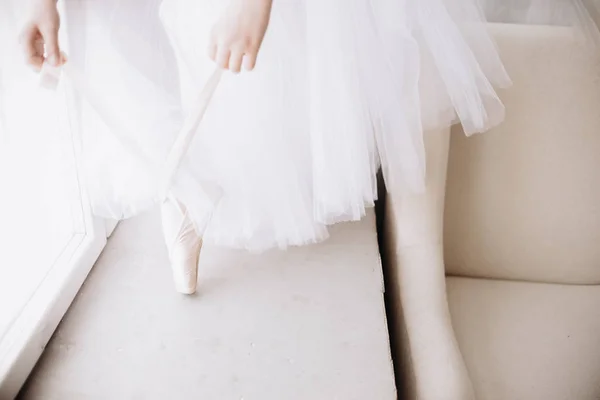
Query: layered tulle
342	88
296	145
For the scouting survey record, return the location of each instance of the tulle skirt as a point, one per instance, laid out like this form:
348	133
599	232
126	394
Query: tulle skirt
342	89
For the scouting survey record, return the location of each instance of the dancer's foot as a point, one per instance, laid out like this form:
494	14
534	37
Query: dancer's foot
184	246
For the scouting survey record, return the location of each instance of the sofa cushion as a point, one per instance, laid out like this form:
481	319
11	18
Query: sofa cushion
523	201
528	341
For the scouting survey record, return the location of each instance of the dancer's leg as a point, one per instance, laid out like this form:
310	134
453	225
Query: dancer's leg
439	369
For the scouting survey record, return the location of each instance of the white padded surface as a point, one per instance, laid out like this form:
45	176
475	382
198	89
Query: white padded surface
304	324
528	341
523	201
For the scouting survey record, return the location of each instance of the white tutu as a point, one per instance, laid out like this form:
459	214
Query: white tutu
342	88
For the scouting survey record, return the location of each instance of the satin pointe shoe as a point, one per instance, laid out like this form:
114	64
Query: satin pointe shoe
183	244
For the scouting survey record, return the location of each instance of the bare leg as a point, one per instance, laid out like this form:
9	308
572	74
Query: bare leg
437	364
183	244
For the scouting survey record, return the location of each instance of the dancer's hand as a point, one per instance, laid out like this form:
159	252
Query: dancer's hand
41	33
238	34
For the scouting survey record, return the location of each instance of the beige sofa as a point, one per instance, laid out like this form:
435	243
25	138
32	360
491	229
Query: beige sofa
522	229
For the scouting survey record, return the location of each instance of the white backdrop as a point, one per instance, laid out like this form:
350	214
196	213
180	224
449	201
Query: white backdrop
48	238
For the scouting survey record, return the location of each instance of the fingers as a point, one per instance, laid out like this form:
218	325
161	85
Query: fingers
213	49
233	58
235	61
37	36
222	58
50	34
250	61
30	44
219	54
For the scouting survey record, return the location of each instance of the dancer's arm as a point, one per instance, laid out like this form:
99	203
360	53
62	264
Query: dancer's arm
39	36
237	36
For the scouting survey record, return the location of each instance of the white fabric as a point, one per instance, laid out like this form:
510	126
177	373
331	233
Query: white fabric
342	87
337	90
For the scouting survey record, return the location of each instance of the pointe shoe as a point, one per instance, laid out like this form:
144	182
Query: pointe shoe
184	246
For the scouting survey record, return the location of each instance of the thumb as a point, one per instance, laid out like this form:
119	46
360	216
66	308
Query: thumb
50	36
